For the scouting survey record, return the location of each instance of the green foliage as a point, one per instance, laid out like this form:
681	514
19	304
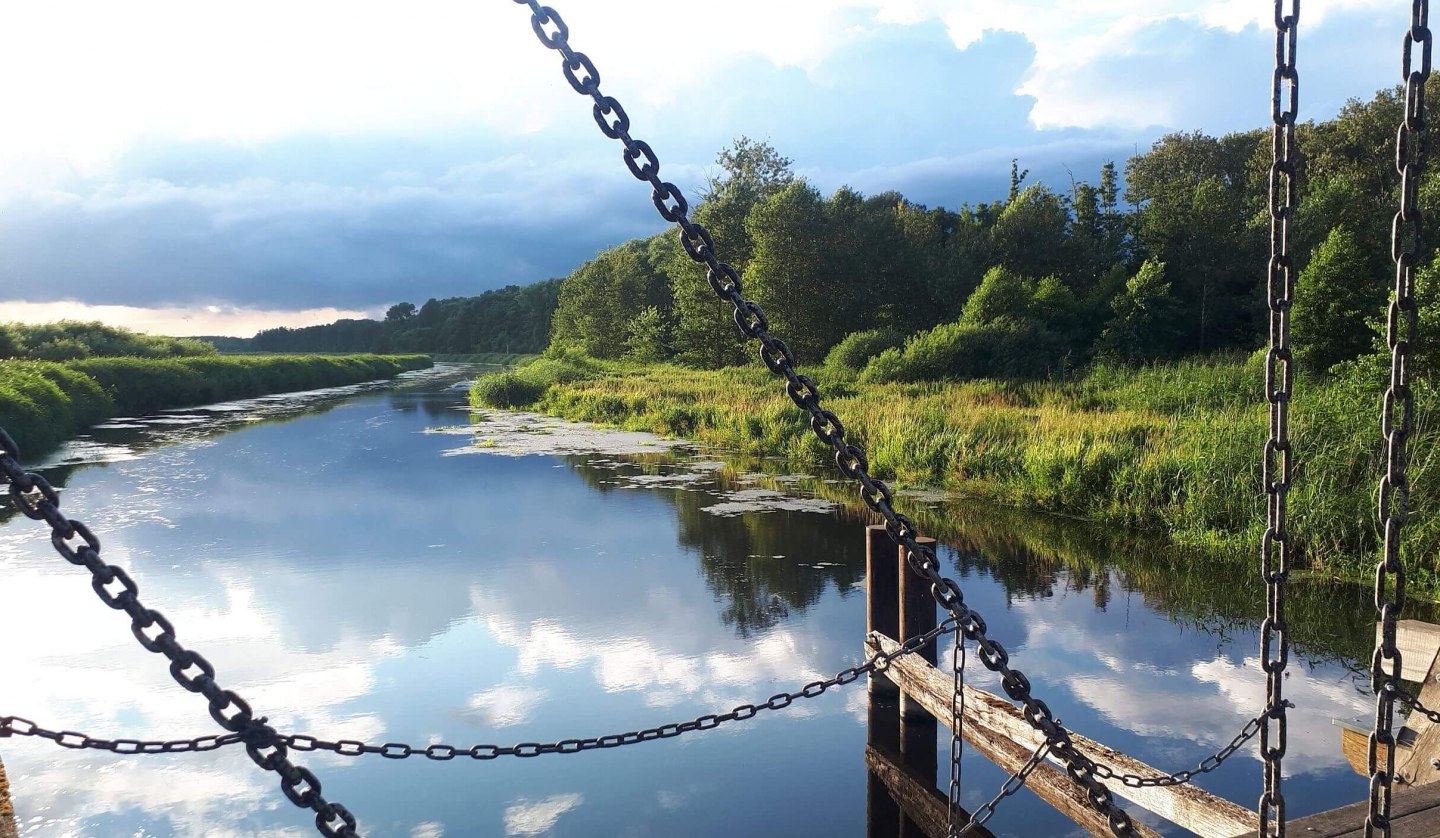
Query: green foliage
72	339
504	389
647	336
849	357
43	403
513	319
599	302
1142	327
1335	298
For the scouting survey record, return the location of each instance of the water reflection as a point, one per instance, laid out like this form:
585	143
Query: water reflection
371	567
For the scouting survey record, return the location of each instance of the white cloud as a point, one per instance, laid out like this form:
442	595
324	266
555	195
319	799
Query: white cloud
525	817
506	705
171	320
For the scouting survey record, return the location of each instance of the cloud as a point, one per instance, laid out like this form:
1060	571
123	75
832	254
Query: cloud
525	817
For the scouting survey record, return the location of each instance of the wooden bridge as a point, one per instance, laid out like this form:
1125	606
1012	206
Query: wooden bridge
913	697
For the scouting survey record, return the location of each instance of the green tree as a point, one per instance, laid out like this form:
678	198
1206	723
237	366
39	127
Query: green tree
1142	327
1336	296
647	336
598	301
399	312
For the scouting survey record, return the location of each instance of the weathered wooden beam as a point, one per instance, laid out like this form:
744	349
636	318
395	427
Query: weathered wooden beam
7	811
1193	808
918	798
1419	764
1414	813
1419	643
1047	782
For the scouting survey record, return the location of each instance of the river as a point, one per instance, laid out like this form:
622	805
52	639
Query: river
375	563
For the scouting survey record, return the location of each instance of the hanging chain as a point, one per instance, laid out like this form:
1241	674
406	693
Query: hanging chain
1180	778
1012	784
33	495
1279	388
724	280
879	661
957	726
1394	496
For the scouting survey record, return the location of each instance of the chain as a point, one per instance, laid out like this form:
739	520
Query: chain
78	741
724	279
33	495
1414	704
1394	495
1012	784
1208	764
1279	388
877	662
957	726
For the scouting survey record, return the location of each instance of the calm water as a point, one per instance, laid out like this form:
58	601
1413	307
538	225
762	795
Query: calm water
362	565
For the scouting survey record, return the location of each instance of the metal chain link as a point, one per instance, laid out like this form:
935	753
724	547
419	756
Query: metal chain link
1275	555
957	727
17	726
1012	784
1208	764
1414	704
440	752
1394	495
724	280
33	495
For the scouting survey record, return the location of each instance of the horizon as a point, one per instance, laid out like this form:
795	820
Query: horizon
370	160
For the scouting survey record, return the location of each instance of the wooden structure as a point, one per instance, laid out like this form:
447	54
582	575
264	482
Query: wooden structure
992	726
7	811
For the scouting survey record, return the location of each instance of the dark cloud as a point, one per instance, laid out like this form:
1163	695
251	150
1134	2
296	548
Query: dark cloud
359	221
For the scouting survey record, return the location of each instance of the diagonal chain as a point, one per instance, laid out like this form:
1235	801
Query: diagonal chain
33	495
1275	553
580	72
1012	784
1394	495
1208	764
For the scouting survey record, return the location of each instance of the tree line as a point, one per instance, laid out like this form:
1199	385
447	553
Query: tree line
1169	264
514	319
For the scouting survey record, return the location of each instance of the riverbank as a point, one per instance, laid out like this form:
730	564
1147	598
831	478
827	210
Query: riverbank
1171	448
43	403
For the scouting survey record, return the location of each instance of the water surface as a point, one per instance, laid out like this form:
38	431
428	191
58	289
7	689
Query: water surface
375	563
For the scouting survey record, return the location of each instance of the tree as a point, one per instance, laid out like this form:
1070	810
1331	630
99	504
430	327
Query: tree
1335	297
1142	327
1032	234
400	312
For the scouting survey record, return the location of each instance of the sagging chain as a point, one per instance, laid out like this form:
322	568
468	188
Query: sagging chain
1275	553
724	280
879	661
33	495
1180	778
1012	784
1414	704
16	726
1402	322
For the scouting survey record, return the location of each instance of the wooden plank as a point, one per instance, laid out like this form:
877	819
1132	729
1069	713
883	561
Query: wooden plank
1414	813
1417	765
7	811
1188	806
918	797
1419	643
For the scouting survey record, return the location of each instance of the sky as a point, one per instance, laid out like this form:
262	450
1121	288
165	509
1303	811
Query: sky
191	168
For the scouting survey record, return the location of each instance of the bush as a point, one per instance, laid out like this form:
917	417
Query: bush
505	389
849	357
962	350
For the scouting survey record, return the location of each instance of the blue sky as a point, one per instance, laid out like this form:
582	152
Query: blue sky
192	168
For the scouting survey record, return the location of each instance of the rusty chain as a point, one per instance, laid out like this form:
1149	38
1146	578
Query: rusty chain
1394	495
879	661
33	495
1276	460
580	72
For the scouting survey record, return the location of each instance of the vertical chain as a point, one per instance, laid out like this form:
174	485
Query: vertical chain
1279	388
1394	496
957	722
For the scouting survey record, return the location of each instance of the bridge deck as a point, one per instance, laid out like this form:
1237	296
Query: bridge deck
1415	813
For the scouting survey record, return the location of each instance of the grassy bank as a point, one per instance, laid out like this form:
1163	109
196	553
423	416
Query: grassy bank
1171	448
42	403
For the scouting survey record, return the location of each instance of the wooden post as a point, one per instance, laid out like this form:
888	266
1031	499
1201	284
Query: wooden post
882	615
918	728
925	807
998	730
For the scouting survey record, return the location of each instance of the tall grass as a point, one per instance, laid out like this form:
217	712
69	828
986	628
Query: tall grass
1172	448
42	403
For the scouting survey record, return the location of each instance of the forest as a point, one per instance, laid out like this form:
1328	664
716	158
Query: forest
1171	263
510	320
